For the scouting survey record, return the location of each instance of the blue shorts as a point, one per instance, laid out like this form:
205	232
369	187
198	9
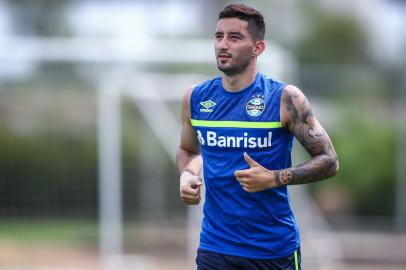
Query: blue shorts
207	260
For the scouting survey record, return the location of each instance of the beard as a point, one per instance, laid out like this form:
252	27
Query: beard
238	67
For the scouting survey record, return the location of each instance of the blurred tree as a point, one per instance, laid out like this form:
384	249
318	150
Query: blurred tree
39	17
333	56
332	38
48	175
366	151
370	168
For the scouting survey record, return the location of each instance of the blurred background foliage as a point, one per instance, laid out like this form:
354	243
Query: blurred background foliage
41	17
331	38
336	65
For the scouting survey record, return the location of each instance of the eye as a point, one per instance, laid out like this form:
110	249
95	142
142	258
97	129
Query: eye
235	37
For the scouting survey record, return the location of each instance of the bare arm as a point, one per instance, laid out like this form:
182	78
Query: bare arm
188	158
296	114
188	155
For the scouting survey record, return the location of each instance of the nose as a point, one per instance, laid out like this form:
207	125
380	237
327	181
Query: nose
222	44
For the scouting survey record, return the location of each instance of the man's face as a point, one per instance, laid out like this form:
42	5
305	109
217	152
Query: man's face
233	46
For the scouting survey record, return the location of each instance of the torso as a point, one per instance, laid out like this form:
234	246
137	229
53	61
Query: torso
257	225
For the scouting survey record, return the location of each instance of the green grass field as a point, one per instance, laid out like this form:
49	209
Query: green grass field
49	232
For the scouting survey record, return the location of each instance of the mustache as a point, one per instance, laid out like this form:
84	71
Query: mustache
222	53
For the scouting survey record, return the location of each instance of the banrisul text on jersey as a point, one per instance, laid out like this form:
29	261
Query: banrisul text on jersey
211	138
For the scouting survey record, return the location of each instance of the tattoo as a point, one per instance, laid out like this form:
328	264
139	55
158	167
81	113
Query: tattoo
298	112
284	177
313	138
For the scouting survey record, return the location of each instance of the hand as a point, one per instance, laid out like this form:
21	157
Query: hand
190	188
256	178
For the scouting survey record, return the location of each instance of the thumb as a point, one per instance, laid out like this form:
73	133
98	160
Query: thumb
250	161
197	183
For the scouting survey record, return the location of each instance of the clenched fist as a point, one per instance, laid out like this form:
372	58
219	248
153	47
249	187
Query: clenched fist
190	188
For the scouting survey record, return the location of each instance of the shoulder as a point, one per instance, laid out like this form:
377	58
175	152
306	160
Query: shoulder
273	85
294	105
201	90
185	108
292	96
187	95
197	89
204	86
292	91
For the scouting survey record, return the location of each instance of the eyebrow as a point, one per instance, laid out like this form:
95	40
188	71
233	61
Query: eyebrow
236	33
230	33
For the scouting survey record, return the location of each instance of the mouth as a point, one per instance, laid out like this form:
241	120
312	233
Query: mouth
223	56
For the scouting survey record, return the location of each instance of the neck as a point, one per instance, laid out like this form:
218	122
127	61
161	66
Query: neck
237	82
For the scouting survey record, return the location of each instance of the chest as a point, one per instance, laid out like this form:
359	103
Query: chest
256	106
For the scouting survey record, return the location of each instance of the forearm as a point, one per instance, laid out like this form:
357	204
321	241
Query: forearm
188	161
312	136
315	169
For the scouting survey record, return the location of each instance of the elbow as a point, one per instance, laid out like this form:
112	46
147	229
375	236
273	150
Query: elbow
333	167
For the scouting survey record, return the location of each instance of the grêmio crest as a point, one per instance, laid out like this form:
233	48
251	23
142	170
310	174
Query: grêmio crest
255	106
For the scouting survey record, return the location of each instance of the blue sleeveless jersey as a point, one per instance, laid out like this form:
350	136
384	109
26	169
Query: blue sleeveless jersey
236	222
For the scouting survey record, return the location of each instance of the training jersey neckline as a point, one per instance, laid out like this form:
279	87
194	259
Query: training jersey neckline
242	91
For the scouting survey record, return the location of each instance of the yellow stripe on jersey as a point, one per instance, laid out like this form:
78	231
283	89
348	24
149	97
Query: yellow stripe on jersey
234	124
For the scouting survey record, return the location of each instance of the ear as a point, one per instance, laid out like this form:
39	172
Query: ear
259	47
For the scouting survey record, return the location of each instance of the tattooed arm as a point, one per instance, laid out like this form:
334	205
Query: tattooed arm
297	116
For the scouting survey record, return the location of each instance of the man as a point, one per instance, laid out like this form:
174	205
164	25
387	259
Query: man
239	128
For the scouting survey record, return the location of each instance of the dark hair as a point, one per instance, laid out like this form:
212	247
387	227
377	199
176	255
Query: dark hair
256	24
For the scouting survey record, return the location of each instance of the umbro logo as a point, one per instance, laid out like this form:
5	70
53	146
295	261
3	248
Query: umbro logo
207	106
